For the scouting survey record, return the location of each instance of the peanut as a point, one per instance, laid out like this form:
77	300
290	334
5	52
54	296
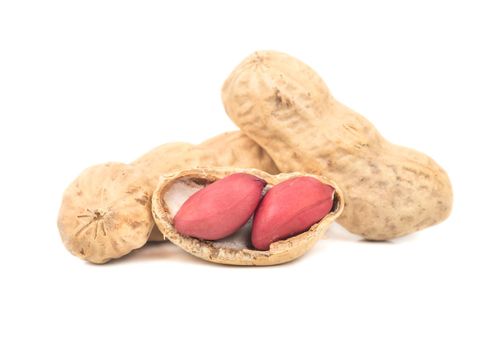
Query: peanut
289	208
284	106
173	190
106	212
221	208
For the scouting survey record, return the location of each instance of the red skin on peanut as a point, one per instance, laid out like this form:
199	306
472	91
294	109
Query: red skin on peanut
289	208
221	208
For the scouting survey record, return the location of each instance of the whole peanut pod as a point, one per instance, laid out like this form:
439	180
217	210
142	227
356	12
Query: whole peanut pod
174	190
285	107
221	208
106	212
289	208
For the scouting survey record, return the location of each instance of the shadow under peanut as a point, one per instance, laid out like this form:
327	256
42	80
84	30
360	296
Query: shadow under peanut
339	233
156	251
168	252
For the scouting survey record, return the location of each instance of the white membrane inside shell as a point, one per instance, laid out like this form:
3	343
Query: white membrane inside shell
178	193
238	240
182	189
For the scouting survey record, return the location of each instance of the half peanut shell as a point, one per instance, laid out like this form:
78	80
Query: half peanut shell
173	189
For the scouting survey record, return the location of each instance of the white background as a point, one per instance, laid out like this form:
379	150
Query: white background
84	82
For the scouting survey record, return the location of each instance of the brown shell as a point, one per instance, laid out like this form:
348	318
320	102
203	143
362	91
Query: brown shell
161	160
284	106
106	212
232	148
279	252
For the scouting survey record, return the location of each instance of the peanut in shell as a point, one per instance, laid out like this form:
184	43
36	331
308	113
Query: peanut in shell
166	201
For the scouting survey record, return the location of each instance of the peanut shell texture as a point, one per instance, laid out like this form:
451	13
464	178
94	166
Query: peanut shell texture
284	106
106	212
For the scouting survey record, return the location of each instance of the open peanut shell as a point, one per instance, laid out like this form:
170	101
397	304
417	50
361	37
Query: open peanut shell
175	188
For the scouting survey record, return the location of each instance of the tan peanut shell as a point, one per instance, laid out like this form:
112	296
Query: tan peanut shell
106	212
232	148
279	252
162	159
285	107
